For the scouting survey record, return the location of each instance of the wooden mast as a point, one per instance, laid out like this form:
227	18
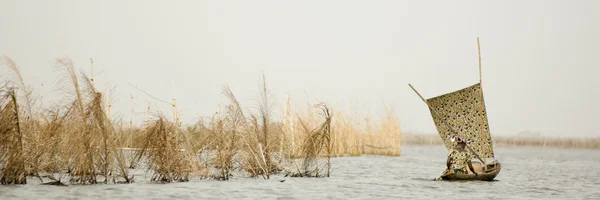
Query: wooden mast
479	56
481	131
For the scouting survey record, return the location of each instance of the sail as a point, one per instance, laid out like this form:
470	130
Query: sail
463	110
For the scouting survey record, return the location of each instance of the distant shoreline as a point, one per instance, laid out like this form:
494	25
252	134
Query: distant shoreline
504	141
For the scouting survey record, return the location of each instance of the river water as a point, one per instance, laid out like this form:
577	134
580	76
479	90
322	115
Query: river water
527	173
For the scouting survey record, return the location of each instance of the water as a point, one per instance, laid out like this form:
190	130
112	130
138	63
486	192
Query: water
527	173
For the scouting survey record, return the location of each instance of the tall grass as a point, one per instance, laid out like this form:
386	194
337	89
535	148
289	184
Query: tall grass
90	134
351	135
167	152
255	133
76	140
29	126
316	143
11	141
382	137
227	133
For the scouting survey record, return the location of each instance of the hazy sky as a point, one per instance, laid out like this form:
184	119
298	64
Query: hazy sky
540	58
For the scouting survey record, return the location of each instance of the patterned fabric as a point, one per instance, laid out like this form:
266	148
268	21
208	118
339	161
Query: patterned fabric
460	159
463	110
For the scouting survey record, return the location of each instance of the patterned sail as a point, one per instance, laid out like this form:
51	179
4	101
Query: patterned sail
463	110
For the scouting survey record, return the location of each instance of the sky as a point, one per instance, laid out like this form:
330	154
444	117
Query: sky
539	57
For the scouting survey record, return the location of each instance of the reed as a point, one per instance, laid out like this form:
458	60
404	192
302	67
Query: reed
351	135
316	144
11	141
215	146
53	156
167	152
227	132
90	133
236	140
27	110
263	130
255	133
382	137
76	139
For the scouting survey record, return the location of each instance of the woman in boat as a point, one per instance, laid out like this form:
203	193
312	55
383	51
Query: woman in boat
459	157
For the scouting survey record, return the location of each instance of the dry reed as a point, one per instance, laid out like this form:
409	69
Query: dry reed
226	133
351	135
93	150
167	152
317	143
254	132
11	141
78	140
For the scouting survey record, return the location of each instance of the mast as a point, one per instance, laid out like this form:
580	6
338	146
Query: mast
92	71
481	85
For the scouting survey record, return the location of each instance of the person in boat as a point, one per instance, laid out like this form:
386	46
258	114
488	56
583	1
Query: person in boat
459	158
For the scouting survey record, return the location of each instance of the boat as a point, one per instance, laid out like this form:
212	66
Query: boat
493	168
463	113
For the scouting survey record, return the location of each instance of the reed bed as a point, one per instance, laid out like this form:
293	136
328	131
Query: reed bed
350	136
514	141
75	139
76	142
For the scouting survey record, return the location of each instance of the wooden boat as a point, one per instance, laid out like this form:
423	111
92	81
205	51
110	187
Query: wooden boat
463	113
493	168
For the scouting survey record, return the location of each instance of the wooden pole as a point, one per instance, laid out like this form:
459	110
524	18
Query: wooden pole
292	128
285	123
132	108
92	71
445	123
481	87
479	56
218	113
131	122
147	111
42	95
108	104
174	104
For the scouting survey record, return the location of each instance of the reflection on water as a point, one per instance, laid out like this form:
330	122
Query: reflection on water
527	173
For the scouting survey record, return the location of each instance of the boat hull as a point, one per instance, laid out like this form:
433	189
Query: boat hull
488	175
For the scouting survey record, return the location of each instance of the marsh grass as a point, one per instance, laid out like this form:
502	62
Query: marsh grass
316	143
90	134
382	137
256	135
76	140
25	116
351	134
167	152
11	141
226	132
